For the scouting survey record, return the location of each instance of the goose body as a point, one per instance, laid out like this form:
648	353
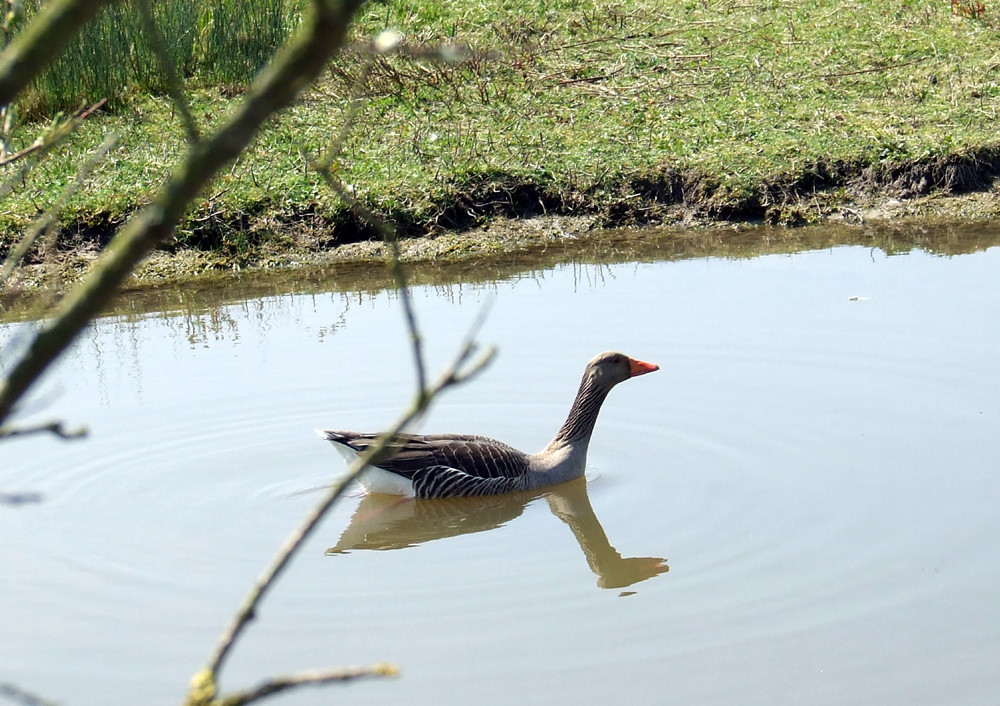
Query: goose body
447	465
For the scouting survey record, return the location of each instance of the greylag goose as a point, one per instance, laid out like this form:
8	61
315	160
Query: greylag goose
447	465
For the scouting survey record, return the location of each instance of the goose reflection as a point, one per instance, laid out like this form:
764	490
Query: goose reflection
383	522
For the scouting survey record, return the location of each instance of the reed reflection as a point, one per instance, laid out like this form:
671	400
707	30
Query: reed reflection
385	522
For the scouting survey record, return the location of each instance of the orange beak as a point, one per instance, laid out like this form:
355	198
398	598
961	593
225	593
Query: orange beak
637	367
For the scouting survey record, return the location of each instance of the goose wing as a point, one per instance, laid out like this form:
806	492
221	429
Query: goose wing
413	455
448	482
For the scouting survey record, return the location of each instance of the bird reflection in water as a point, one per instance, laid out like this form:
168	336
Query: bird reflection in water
383	522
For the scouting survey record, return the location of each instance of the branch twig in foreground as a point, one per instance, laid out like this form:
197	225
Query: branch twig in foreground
43	224
19	695
204	688
322	32
314	677
389	236
57	428
56	134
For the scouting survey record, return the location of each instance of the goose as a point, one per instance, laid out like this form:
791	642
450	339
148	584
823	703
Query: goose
449	465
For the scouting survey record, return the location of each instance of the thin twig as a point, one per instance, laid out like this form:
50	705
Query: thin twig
388	234
204	685
54	136
357	102
57	428
459	371
386	42
44	222
314	677
13	692
321	33
24	498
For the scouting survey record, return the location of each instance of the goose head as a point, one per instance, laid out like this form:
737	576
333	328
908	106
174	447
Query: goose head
601	374
610	368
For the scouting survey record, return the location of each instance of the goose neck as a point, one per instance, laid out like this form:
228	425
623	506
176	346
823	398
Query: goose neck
579	424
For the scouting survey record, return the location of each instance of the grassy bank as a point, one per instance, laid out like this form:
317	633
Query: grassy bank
219	42
635	112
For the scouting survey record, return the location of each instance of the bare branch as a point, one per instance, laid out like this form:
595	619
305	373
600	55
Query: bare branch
56	428
328	160
388	234
23	498
15	693
320	35
44	222
399	275
308	678
204	686
460	370
469	346
55	135
386	42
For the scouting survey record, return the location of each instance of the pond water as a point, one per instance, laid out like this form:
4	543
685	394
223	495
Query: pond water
801	507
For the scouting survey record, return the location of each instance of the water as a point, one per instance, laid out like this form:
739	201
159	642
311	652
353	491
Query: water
801	507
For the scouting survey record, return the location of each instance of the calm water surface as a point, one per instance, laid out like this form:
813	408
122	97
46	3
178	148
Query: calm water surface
801	507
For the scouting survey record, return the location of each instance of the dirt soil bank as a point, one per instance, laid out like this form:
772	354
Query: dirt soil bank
501	236
305	243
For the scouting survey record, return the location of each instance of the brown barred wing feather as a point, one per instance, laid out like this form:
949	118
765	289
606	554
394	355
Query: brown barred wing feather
475	456
446	482
479	456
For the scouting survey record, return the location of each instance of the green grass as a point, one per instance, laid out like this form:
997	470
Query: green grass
581	105
222	42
